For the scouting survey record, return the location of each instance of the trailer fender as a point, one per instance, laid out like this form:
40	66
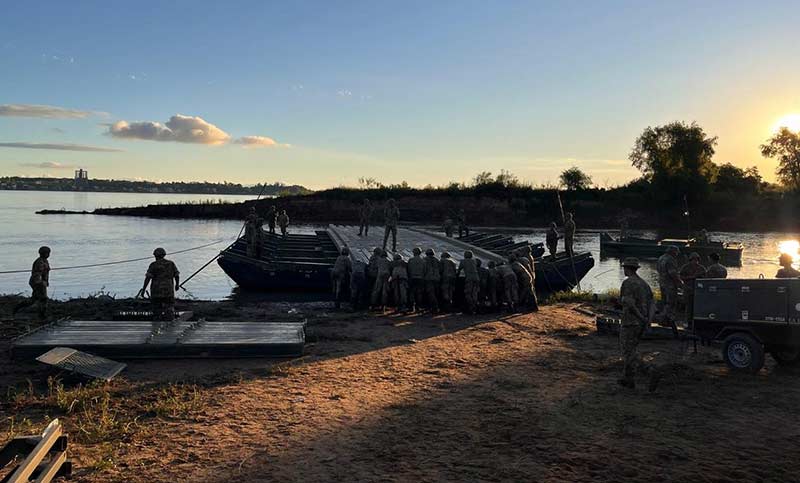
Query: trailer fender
732	329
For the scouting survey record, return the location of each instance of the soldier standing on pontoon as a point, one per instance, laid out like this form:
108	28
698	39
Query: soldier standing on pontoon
166	280
391	219
569	234
364	215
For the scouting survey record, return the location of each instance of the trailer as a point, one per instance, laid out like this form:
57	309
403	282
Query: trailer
750	317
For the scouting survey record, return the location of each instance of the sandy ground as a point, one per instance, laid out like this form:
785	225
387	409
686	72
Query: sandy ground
416	398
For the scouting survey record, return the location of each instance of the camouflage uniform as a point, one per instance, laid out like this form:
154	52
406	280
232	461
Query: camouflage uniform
494	285
341	275
509	285
364	215
358	284
637	299
667	267
525	292
250	233
38	281
163	274
272	215
283	222
416	275
569	235
432	276
380	292
787	272
372	269
400	282
448	227
448	280
689	273
471	282
483	275
551	240
463	229
716	270
392	218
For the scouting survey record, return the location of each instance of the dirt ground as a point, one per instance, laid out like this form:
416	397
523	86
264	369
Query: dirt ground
529	397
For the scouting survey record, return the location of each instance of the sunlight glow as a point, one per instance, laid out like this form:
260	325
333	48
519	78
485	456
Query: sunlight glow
790	121
789	247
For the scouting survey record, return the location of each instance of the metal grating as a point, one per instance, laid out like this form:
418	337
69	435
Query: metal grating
82	363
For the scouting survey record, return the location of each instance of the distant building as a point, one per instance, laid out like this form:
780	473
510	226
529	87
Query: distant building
81	179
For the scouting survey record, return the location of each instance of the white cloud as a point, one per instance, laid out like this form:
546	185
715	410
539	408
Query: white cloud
259	142
39	110
179	128
61	147
48	165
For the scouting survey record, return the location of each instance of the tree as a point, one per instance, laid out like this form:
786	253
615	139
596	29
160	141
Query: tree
507	179
737	180
785	147
676	159
575	179
482	178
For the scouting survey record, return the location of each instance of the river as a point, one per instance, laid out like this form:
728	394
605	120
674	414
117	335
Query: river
89	239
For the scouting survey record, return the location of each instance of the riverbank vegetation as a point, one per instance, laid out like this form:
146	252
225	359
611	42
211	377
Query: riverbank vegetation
679	177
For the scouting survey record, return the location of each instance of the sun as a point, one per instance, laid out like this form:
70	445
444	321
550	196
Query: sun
789	247
789	121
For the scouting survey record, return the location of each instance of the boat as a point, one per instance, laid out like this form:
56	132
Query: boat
730	252
304	262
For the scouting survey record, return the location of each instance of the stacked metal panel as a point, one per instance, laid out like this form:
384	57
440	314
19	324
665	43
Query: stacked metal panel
179	339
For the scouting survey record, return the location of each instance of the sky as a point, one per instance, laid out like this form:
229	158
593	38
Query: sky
324	93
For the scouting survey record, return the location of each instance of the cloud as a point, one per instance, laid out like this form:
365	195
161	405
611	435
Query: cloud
43	111
259	142
48	165
179	128
61	147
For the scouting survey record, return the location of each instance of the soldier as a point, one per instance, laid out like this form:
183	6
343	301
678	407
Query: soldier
448	280
449	227
483	276
259	237
39	281
399	281
786	270
471	281
250	234
358	284
372	269
493	285
637	303
689	273
668	283
162	273
283	222
716	270
463	229
551	239
432	276
380	292
532	299
391	219
364	215
342	269
702	237
416	276
569	234
526	296
272	215
509	285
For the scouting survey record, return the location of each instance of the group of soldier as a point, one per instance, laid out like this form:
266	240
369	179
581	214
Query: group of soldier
431	283
162	277
254	228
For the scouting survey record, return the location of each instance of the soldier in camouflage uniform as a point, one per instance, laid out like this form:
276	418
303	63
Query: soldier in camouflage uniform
716	270
637	305
551	239
569	234
380	292
689	273
364	215
416	279
483	275
342	269
448	280
165	279
399	282
786	270
493	285
526	296
250	234
39	281
433	277
448	227
391	219
463	229
358	284
509	285
471	281
272	216
668	283
283	222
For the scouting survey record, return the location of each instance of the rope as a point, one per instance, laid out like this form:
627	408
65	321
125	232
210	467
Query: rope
118	262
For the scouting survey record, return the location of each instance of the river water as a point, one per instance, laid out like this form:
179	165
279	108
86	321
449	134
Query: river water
89	239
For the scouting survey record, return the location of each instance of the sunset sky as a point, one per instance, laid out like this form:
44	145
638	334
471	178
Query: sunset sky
322	93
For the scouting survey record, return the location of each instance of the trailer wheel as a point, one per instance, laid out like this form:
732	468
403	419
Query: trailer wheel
743	353
786	357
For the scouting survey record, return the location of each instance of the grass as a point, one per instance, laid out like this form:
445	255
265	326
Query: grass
583	296
176	401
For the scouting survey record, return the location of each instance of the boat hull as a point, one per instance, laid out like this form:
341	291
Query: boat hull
730	254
